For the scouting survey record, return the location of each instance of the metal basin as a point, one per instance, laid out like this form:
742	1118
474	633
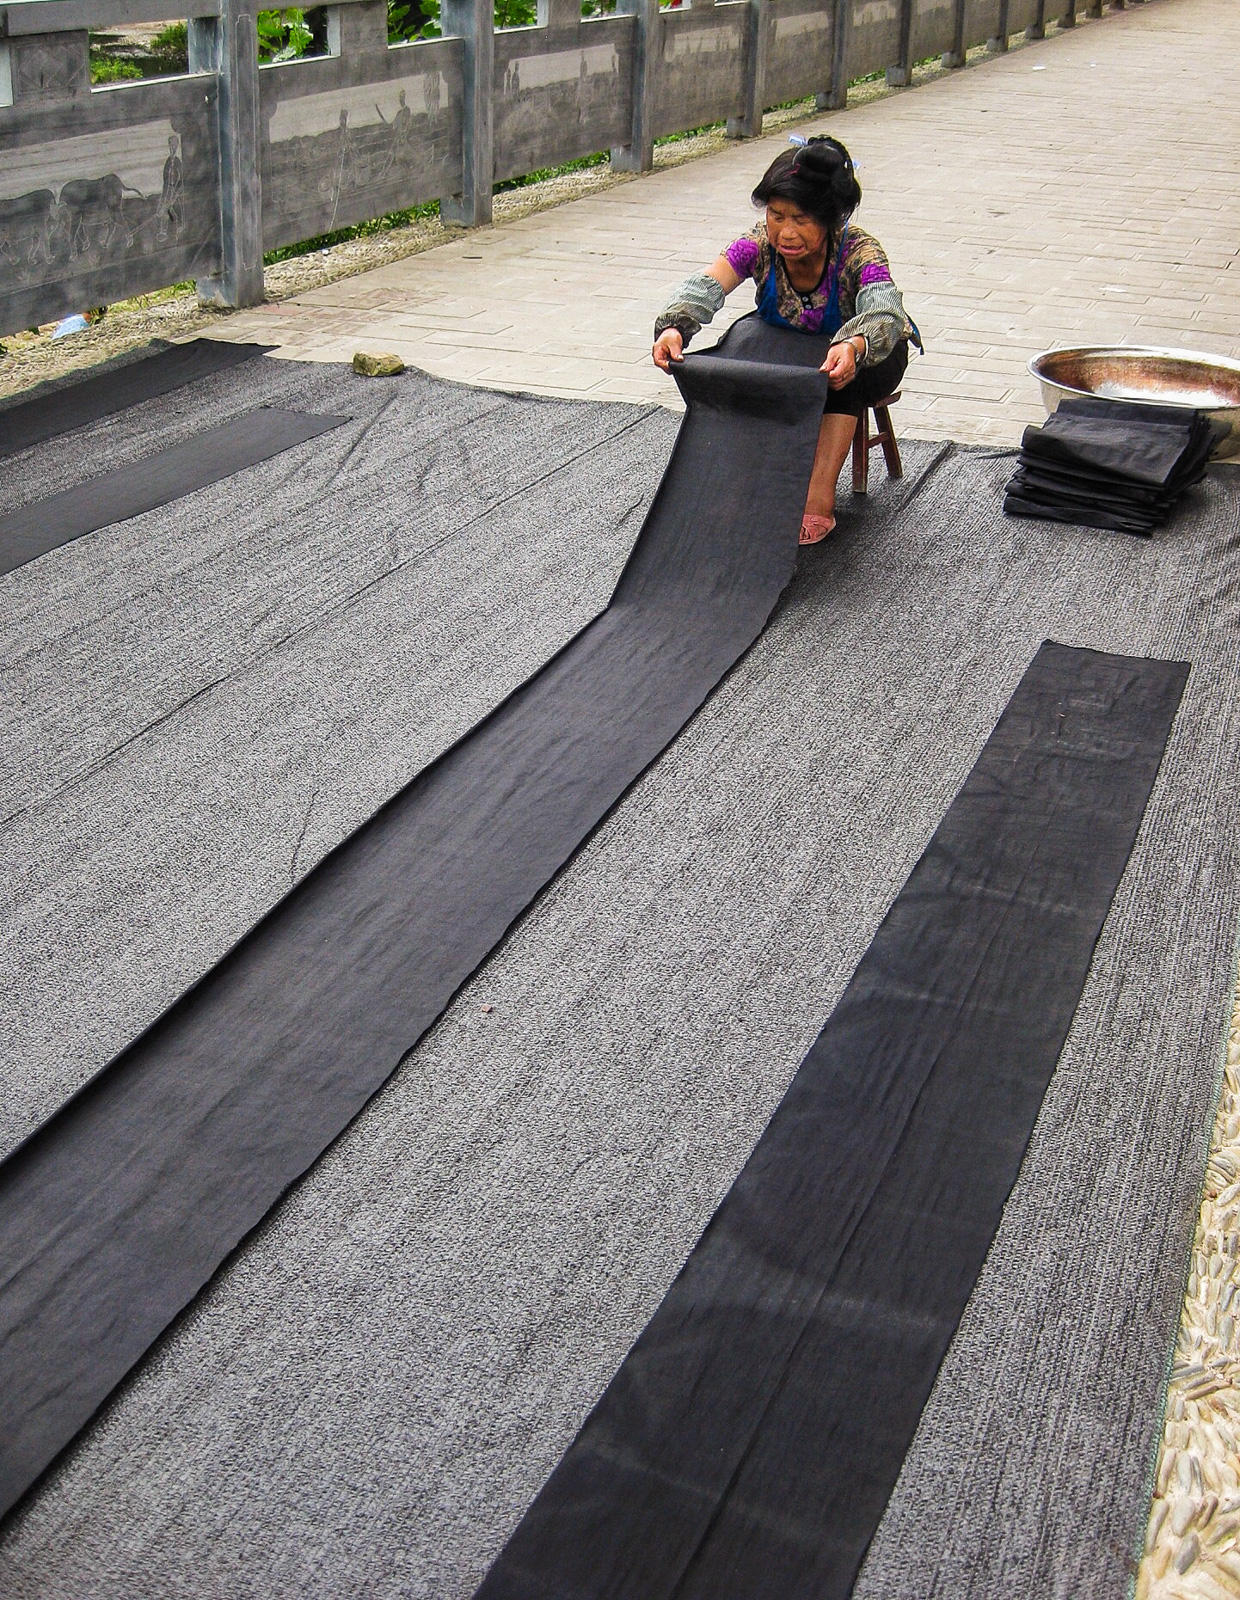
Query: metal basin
1149	377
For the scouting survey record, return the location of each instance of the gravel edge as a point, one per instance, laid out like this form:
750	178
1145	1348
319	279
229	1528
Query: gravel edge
1192	1540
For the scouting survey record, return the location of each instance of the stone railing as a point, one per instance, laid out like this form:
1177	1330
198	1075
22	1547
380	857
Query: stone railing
117	190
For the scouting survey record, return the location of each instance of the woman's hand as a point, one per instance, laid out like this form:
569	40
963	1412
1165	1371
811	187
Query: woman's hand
841	364
668	347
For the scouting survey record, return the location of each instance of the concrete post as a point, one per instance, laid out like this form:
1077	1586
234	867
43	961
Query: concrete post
749	124
560	16
474	22
900	72
358	32
638	154
228	46
999	43
1037	28
836	97
955	57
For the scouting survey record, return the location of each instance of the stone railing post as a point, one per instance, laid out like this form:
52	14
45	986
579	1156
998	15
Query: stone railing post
749	124
955	57
999	43
474	22
228	46
561	16
359	33
836	97
900	72
638	154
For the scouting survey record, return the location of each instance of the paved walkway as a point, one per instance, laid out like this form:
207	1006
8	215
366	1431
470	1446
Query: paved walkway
1084	188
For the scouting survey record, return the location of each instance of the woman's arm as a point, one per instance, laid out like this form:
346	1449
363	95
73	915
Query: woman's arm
693	304
880	319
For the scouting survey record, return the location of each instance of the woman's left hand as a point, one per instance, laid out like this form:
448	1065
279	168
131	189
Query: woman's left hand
841	364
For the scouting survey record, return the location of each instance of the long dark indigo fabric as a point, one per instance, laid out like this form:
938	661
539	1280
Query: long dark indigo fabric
117	1211
748	1444
32	421
113	497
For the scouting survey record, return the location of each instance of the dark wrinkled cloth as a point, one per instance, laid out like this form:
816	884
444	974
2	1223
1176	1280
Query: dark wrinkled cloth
1106	464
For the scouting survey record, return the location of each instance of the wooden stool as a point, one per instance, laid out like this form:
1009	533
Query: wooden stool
864	441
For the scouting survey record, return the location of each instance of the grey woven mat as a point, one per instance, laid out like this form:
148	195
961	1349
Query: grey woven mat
369	1395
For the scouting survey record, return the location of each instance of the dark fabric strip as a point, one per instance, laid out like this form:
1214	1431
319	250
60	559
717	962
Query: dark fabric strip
154	481
31	422
748	1444
117	1211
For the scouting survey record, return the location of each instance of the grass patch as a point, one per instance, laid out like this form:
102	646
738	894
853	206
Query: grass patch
111	69
361	230
599	159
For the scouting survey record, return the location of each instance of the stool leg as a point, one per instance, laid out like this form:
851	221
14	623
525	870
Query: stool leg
861	453
891	450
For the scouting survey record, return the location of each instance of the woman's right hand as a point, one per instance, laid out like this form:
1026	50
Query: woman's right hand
668	347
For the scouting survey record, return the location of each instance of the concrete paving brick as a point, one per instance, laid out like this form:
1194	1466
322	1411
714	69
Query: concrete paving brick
1020	210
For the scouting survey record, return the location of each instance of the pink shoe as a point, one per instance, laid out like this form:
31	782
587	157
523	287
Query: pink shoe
815	529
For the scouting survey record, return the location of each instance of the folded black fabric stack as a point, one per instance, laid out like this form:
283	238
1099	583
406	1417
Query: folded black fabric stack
1110	465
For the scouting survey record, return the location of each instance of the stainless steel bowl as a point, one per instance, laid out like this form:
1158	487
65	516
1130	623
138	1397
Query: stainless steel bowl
1149	377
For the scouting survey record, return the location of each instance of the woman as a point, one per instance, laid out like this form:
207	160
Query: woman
815	272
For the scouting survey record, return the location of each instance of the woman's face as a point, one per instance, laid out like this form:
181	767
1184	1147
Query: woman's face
795	235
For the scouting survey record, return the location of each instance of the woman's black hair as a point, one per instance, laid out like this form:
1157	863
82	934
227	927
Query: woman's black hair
817	178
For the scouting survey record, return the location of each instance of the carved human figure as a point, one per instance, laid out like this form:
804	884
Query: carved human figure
399	139
172	195
345	175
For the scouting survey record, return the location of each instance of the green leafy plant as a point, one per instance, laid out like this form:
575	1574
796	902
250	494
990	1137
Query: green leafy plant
111	69
169	50
172	40
283	35
515	13
409	20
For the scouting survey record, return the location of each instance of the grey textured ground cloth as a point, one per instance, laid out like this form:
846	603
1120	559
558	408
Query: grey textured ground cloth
157	480
197	704
369	1395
